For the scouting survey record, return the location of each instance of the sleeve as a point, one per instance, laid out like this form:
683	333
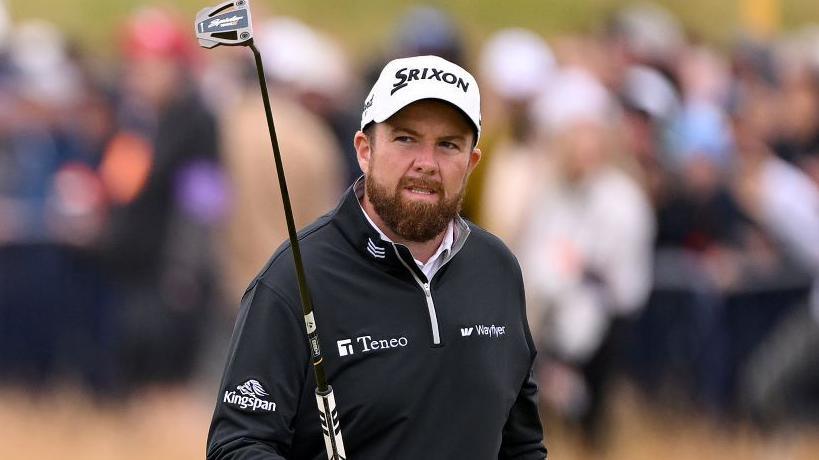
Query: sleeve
259	396
523	432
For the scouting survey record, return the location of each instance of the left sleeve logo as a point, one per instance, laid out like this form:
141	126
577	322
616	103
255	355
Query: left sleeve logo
250	397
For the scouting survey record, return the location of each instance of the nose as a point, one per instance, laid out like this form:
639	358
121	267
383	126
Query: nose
425	161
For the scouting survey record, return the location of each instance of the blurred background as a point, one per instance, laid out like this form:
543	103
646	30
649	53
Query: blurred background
654	166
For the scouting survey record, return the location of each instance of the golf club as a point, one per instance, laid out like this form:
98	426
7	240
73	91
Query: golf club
229	24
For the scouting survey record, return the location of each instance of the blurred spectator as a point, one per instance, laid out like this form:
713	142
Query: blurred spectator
650	105
698	213
703	76
315	178
427	30
798	140
775	193
586	249
54	320
779	381
644	34
700	231
648	31
315	71
722	272
421	30
162	171
516	65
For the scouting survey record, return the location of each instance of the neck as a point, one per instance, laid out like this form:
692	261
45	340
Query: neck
420	250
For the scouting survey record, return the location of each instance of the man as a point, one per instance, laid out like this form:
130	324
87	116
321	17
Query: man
420	314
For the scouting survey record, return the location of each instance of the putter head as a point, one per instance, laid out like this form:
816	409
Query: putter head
225	24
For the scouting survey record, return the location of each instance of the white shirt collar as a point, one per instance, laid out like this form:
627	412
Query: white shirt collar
436	261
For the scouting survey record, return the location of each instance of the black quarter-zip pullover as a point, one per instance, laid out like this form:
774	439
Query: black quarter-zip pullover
421	369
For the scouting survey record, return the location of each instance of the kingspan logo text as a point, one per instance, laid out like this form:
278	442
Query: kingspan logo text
251	397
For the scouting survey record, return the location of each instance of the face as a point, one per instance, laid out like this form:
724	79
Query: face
581	150
417	163
153	79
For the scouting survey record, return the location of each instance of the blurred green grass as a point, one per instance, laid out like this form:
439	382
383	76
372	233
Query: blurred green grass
363	26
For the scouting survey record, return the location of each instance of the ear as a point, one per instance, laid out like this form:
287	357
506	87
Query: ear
474	159
363	151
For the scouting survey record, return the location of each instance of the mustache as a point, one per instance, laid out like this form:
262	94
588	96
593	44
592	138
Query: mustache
425	183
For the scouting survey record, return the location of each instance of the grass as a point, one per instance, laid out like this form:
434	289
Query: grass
173	423
365	25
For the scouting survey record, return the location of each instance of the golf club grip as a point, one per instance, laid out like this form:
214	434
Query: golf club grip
330	425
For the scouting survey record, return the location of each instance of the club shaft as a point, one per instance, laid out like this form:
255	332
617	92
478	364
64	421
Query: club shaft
304	291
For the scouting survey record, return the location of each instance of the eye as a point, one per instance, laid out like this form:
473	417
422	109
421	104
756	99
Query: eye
450	146
404	139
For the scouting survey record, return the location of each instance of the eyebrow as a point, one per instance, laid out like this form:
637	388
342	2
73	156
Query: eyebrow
396	129
451	137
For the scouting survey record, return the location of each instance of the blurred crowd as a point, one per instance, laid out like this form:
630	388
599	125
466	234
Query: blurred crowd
660	193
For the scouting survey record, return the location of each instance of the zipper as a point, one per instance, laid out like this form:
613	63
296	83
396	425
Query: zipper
433	316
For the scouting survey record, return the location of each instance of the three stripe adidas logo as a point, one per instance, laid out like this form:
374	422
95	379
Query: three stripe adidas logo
375	251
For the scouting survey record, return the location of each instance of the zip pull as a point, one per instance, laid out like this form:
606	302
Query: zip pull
433	316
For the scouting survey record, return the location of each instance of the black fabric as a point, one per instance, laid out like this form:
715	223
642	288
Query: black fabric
471	396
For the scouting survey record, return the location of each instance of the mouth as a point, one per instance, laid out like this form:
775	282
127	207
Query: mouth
422	191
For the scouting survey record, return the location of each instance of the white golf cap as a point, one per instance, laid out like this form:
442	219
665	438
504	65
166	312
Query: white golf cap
404	81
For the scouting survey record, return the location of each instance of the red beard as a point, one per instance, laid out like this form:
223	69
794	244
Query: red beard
412	220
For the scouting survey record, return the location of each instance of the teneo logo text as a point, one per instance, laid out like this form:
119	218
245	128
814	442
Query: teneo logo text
345	347
249	397
481	330
366	344
406	75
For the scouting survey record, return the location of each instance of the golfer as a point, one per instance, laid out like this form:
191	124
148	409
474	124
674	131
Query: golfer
420	314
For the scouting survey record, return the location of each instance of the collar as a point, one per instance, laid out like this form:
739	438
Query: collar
444	248
373	245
